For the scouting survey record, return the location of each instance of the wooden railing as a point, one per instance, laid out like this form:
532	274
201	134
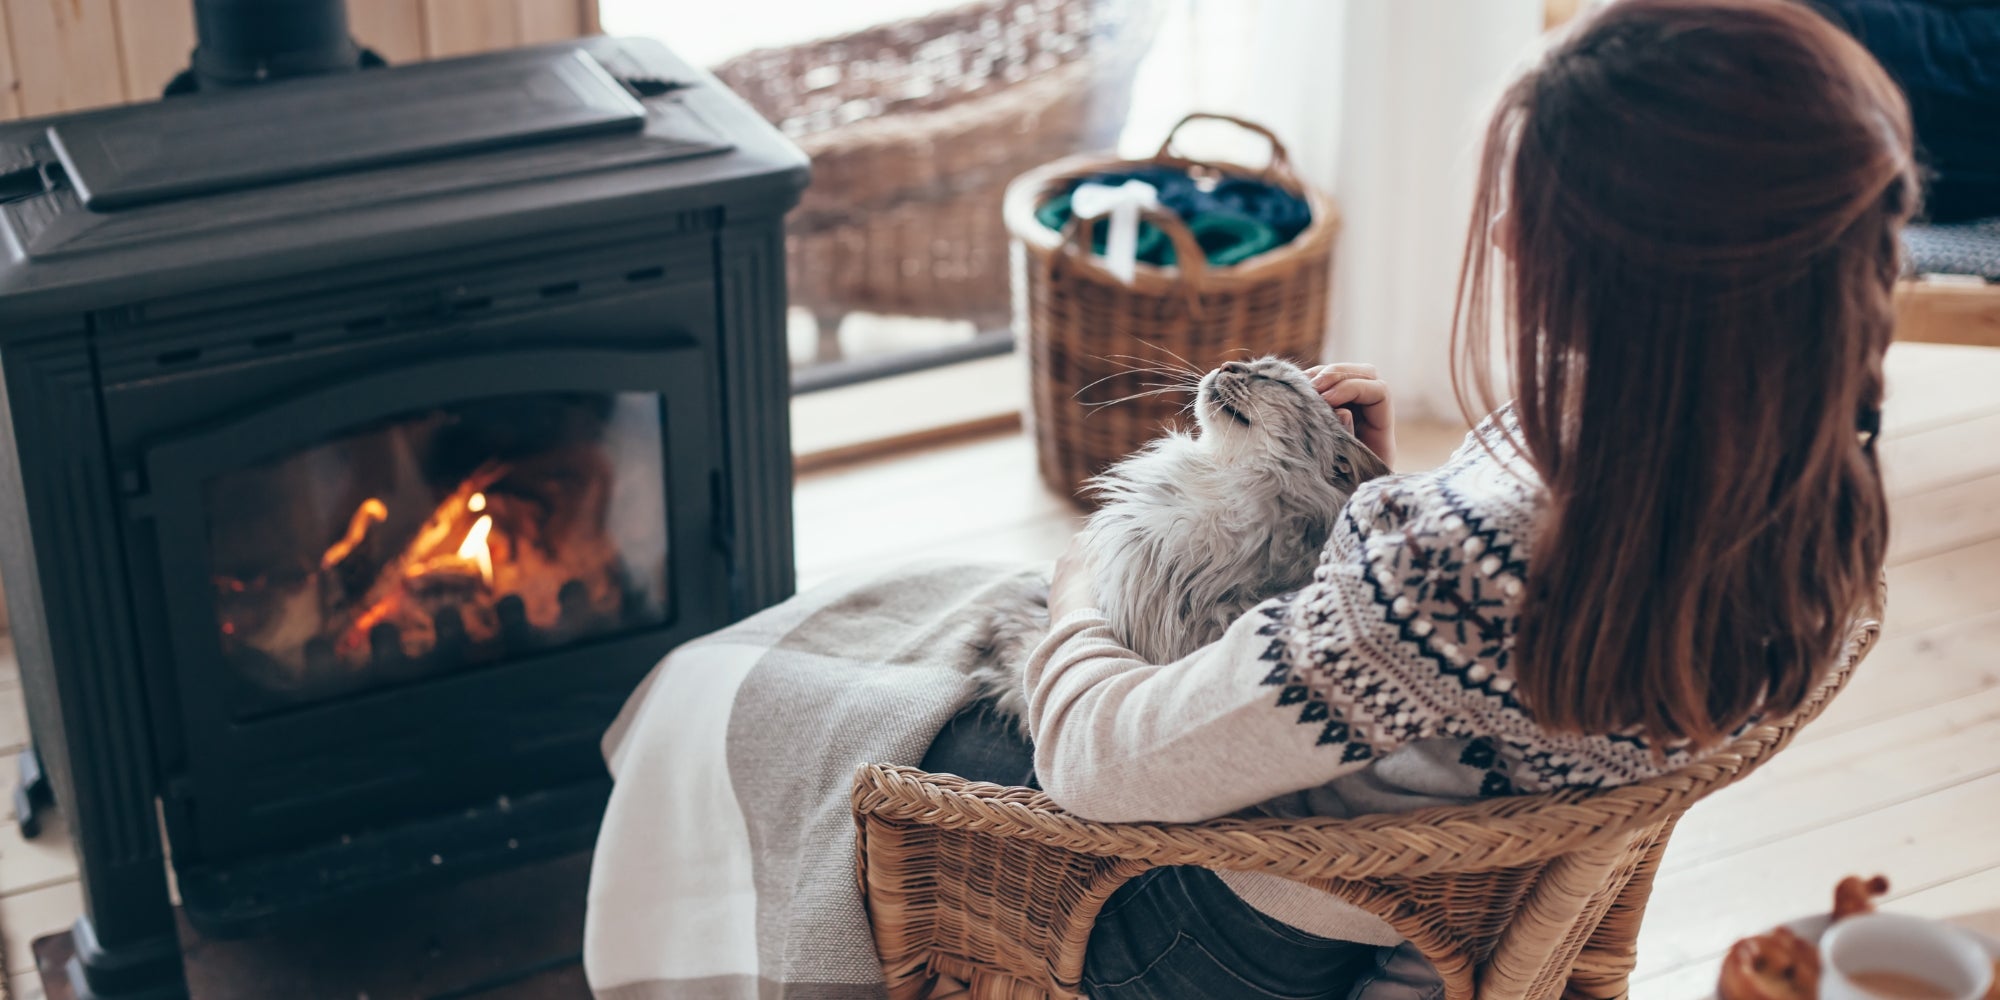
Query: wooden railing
64	55
1960	311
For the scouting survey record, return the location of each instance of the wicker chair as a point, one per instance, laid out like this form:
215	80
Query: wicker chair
1511	899
916	127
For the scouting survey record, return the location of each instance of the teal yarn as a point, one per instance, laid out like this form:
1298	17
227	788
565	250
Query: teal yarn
1154	247
1226	238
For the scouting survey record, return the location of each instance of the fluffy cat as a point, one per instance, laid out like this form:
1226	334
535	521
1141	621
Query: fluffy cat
1194	531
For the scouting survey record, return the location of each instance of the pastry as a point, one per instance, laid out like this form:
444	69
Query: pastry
1775	966
1783	966
1855	895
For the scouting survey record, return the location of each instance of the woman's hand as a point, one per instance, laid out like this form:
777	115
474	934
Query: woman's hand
1360	399
1069	587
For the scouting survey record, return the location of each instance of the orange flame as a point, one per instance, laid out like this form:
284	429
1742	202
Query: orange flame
371	513
475	547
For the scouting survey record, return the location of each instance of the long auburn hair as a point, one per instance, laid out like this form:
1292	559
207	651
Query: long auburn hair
1684	248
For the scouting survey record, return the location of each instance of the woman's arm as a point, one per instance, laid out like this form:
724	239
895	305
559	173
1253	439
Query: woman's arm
1286	700
1120	740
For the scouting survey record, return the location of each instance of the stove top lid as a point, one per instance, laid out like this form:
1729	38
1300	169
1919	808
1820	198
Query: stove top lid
330	125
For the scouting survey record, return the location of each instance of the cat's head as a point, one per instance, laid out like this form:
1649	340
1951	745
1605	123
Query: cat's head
1267	408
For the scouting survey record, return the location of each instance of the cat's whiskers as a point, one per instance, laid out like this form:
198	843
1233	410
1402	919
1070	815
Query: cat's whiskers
1132	364
1185	363
1181	378
1161	391
1107	378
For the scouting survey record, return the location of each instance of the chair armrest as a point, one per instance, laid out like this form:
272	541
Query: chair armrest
1495	834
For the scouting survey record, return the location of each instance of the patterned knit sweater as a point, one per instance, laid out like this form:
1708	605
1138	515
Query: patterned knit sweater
1385	685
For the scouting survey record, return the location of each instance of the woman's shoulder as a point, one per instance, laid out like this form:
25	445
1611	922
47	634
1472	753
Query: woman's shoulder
1419	599
1486	490
1417	605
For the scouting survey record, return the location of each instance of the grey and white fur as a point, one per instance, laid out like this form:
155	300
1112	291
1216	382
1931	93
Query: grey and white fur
1193	531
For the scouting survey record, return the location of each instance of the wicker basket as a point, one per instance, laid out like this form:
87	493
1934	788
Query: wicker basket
1083	328
916	127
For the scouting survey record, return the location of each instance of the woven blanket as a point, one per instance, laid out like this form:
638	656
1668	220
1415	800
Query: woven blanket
725	867
1963	248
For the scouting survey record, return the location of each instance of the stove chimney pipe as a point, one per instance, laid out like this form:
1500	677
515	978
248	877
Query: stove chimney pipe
245	42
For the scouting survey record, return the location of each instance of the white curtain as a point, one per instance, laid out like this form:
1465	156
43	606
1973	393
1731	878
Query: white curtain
1382	103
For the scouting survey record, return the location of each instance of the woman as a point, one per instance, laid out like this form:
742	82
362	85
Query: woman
1686	239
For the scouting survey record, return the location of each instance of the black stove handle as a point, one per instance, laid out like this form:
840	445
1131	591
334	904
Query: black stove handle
31	180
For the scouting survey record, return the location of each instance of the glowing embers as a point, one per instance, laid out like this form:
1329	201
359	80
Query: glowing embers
441	541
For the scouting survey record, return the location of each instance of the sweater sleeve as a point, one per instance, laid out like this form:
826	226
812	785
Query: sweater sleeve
1304	688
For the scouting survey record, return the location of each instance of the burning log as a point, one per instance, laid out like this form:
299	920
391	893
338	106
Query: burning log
449	628
515	631
516	557
385	645
578	614
321	660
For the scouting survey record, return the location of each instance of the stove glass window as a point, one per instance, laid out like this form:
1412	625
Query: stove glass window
440	540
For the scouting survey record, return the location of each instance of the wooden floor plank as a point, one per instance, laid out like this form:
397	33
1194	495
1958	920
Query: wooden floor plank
1941	456
1944	519
1687	982
25	985
1914	670
1875	768
1698	909
950	500
27	865
13	721
29	915
1977	893
1947	587
1931	385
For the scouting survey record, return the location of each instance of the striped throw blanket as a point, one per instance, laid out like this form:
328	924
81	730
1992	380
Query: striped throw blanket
725	867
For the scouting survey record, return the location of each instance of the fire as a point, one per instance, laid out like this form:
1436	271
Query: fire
371	513
475	547
485	562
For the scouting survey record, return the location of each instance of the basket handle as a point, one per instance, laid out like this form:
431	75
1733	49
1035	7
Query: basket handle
1188	254
1281	158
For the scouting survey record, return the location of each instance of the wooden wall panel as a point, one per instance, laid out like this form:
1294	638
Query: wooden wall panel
62	55
549	20
156	39
66	54
1555	13
10	84
393	28
458	27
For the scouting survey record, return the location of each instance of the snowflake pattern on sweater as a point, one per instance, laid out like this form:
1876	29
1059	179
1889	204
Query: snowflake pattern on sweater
1407	631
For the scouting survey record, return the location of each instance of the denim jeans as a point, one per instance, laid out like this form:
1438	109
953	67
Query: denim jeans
1180	933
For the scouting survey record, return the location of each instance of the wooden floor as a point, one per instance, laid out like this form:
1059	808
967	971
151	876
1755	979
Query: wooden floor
1902	776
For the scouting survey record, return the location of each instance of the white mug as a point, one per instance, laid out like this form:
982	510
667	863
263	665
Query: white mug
1874	944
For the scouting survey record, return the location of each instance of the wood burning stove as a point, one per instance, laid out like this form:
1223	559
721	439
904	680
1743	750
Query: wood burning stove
366	438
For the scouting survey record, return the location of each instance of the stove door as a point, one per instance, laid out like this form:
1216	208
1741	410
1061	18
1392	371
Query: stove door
424	589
